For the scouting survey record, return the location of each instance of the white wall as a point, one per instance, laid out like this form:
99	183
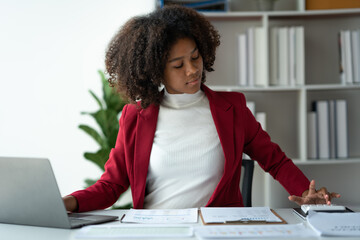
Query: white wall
50	52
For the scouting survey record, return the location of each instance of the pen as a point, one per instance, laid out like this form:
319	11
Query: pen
122	218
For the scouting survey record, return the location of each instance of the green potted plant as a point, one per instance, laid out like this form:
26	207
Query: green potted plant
107	118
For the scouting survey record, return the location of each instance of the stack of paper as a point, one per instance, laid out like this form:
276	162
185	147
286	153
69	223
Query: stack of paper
239	215
135	231
253	231
161	216
335	224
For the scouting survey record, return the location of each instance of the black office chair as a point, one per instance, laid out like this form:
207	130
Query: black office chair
247	179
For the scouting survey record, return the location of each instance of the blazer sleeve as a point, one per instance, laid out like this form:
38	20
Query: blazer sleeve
114	181
271	158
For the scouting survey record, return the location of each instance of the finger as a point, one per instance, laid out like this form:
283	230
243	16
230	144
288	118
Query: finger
334	195
320	199
296	199
327	199
325	195
323	190
331	196
312	189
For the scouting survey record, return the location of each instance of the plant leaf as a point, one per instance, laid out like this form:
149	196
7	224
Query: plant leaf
108	122
107	90
99	158
86	113
95	135
116	102
89	182
96	99
126	206
111	97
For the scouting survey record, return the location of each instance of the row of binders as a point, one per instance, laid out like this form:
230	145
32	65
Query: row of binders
286	57
199	5
251	58
327	130
287	52
349	48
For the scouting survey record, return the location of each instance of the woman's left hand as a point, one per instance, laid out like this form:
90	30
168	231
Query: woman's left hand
313	196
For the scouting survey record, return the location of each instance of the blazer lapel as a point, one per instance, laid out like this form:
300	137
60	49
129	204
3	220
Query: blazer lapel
145	132
223	115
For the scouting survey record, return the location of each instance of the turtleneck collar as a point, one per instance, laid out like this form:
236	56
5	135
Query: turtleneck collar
181	100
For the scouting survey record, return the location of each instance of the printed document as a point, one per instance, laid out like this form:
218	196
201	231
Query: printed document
135	231
155	216
335	224
241	214
254	231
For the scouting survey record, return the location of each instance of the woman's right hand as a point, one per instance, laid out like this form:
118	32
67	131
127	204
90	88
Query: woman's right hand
70	203
313	196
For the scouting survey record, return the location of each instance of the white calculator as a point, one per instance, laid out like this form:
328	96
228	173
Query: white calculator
322	208
304	209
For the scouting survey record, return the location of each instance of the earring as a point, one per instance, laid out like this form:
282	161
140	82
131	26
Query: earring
161	87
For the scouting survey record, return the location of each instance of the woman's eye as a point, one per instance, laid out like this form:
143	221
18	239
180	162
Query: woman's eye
178	66
196	57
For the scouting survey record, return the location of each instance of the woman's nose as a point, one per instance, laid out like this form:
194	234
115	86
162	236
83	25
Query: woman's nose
191	68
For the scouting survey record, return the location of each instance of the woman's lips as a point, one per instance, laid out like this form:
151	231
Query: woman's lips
193	82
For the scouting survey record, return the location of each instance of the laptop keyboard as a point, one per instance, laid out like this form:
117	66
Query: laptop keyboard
76	221
82	219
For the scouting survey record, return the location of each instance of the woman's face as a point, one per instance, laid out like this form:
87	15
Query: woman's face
184	67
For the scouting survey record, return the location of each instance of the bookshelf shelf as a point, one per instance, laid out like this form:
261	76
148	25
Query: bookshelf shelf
318	162
287	106
331	86
282	14
234	15
255	89
309	87
328	161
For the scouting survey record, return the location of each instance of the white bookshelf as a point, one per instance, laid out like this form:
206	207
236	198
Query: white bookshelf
286	106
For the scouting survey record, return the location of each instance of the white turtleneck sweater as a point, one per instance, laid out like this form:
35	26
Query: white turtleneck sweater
187	160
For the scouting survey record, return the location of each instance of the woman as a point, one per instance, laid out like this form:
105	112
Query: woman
180	144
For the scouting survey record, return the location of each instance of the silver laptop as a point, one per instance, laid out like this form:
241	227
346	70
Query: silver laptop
29	195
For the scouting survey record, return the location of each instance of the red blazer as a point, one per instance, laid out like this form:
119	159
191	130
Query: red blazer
238	132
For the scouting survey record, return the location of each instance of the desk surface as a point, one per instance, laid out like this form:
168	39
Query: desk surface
18	232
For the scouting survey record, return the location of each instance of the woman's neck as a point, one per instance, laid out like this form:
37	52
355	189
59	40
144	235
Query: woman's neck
181	100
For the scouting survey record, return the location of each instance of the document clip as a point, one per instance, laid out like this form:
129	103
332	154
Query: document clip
245	221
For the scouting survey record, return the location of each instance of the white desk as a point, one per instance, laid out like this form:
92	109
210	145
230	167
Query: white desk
18	232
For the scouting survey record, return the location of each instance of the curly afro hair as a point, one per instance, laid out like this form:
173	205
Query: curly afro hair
136	56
